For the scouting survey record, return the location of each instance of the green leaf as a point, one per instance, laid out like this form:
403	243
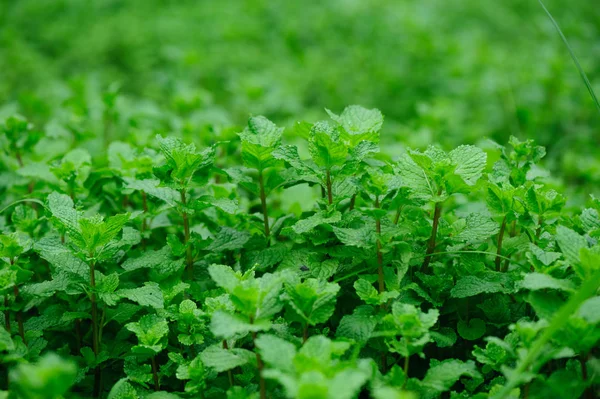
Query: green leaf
152	187
590	310
441	376
123	390
478	228
489	283
58	255
148	295
312	300
259	139
50	377
151	332
359	123
547	258
366	291
159	261
415	178
539	281
444	337
97	233
326	147
182	160
276	352
347	383
319	218
225	325
221	359
475	329
62	208
470	162
229	239
106	287
570	243
590	220
224	277
358	327
6	342
362	237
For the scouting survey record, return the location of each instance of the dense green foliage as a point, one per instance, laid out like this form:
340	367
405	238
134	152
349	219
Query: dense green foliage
442	71
256	268
158	243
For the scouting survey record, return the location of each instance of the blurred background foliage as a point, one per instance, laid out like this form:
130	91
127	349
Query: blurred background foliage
442	71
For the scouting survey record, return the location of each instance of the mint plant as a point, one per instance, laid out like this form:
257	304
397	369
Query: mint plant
291	263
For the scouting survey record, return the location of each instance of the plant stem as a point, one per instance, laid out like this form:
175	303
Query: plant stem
263	203
380	280
189	261
19	317
6	314
229	372
155	374
19	158
305	333
406	364
352	202
78	334
499	243
19	313
107	128
431	243
95	343
329	192
144	225
588	393
261	366
513	232
538	231
397	215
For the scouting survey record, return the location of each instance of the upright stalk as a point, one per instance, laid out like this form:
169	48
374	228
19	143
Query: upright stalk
329	189
499	244
397	215
305	333
145	208
189	260
352	202
155	374
431	243
379	254
538	231
95	337
588	393
513	232
263	203
406	365
6	314
78	334
19	315
261	366
380	280
229	372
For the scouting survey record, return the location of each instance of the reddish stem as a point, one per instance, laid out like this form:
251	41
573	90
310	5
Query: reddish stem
329	188
261	366
186	238
263	203
431	243
499	243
